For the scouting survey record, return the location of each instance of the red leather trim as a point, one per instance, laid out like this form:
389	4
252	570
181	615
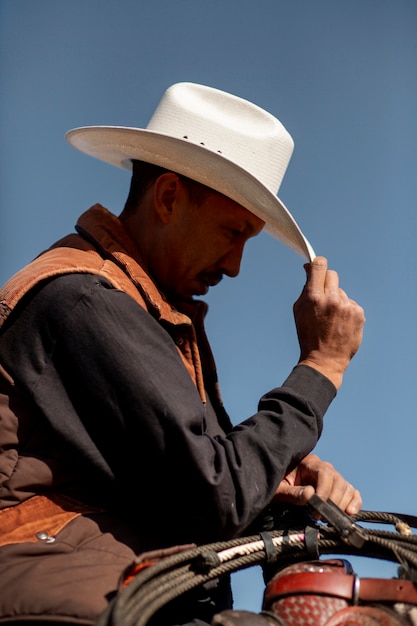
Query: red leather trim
341	586
317	583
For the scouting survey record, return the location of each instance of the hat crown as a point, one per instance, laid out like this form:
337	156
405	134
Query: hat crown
218	139
236	129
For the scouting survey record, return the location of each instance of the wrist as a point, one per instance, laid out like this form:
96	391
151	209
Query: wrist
330	368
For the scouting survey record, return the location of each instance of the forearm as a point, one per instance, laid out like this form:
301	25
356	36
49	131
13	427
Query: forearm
221	483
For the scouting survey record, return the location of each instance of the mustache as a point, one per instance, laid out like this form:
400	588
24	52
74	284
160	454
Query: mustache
211	278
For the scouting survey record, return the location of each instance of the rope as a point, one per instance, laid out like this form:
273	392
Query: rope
174	576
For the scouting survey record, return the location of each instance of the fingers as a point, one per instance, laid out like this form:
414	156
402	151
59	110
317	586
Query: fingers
321	280
355	503
329	324
317	275
330	484
314	476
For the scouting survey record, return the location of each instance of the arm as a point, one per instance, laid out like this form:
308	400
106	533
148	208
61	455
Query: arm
109	381
329	327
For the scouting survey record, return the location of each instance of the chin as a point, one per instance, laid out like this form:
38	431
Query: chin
201	291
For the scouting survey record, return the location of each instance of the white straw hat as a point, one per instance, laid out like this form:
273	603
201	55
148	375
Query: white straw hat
215	138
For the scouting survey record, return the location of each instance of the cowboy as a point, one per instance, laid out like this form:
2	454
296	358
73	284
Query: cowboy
114	438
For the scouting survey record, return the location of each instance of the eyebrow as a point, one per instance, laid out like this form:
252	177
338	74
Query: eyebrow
254	230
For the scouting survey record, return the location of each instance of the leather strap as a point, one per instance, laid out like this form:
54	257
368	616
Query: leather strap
347	587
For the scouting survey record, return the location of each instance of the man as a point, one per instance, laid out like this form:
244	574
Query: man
114	438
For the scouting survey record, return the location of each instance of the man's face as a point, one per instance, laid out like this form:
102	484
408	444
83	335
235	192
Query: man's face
205	242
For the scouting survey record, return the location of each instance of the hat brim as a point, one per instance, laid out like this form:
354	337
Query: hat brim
118	145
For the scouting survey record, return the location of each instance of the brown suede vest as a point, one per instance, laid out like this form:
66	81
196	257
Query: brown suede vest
102	248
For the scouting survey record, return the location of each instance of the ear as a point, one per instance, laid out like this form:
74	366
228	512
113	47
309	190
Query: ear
166	193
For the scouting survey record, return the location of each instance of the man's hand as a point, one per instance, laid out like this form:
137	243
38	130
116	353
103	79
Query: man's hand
329	324
312	476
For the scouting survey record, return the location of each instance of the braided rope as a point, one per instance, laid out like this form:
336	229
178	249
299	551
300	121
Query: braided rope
174	576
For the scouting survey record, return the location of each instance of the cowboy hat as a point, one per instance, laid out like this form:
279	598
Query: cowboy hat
215	138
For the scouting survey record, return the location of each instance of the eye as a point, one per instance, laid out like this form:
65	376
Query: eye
235	233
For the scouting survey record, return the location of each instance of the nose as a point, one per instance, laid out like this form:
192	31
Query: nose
230	262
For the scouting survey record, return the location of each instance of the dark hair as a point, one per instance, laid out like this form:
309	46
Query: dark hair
144	175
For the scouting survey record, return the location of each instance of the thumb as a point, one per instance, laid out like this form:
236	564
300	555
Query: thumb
297	495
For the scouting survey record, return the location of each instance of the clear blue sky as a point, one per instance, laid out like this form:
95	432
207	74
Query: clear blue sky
342	77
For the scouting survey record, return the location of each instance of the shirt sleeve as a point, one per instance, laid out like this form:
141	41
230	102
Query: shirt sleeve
113	389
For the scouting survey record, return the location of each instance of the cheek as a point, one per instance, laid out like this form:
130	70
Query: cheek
198	252
187	263
198	255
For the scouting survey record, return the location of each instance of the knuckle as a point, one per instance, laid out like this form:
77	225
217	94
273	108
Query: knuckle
333	276
313	457
312	294
334	301
329	466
